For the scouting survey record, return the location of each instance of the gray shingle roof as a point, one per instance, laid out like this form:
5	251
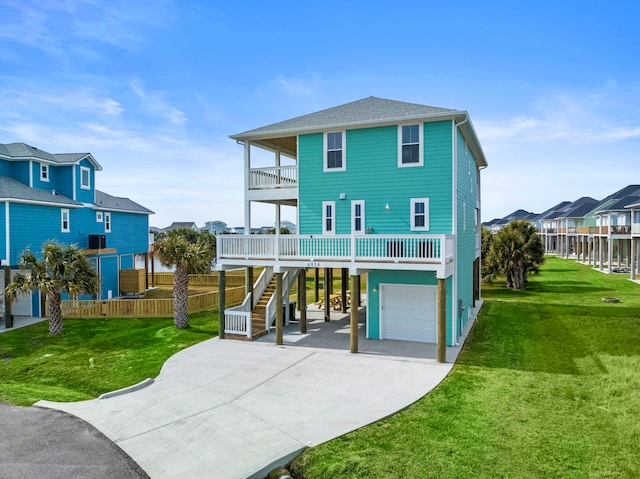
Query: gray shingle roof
367	110
115	203
22	151
13	189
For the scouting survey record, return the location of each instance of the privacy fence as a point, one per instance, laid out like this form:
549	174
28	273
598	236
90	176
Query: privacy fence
146	308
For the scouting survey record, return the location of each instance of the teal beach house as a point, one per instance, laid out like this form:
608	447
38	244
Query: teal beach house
45	196
382	188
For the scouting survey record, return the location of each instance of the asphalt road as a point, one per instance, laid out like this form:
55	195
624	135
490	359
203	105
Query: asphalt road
44	443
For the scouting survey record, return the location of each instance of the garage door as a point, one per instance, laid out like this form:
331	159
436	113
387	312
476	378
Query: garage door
408	312
22	304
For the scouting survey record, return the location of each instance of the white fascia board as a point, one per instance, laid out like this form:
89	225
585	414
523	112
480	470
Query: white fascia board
42	203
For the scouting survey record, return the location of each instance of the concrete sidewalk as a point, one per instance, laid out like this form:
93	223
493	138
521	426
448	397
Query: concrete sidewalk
231	409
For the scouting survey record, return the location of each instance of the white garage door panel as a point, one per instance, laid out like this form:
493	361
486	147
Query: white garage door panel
22	304
409	312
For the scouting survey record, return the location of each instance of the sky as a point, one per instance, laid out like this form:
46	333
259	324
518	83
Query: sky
153	89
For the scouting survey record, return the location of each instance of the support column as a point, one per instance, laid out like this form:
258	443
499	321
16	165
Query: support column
316	284
354	316
601	248
221	302
442	320
8	317
633	258
343	284
302	300
610	254
146	271
327	300
279	319
359	301
248	278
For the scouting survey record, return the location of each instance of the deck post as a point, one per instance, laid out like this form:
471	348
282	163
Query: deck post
327	294
633	255
354	314
279	319
302	289
343	283
8	317
221	302
442	320
248	277
316	284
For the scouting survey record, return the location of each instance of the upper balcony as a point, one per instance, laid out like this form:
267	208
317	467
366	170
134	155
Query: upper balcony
405	252
635	229
273	183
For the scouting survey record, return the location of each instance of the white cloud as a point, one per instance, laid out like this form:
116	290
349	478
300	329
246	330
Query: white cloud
593	116
156	103
296	87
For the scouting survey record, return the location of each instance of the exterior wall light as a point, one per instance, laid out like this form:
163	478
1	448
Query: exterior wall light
387	207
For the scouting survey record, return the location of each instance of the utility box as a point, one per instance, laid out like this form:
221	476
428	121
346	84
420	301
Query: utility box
97	241
132	281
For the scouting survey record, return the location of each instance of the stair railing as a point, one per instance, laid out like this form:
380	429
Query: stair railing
237	320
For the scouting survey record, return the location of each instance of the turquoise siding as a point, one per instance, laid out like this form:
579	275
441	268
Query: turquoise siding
375	278
5	168
37	182
372	159
20	171
466	232
109	276
82	195
62	180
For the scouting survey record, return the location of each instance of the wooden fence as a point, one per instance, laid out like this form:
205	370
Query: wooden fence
197	279
145	308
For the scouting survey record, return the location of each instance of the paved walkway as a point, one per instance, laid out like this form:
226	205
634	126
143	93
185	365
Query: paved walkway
231	409
19	322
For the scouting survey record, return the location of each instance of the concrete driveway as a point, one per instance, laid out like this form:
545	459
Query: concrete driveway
232	409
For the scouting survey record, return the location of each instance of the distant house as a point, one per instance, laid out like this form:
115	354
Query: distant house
50	196
215	227
181	224
602	233
382	188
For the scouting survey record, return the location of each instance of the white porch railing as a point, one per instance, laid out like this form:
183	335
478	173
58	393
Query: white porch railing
418	248
273	177
237	320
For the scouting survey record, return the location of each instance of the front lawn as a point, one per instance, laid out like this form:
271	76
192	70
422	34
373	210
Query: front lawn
548	385
92	357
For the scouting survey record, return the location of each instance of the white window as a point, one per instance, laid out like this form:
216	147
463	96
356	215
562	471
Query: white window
410	150
357	217
328	217
99	217
107	222
44	172
420	214
64	221
334	151
85	178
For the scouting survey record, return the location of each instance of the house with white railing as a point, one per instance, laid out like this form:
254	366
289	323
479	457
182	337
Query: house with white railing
385	189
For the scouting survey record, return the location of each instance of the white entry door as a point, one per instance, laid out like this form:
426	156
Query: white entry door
408	312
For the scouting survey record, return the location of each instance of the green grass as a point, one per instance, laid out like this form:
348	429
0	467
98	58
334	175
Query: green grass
548	385
92	357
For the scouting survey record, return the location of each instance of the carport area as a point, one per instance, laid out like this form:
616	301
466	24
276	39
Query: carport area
334	335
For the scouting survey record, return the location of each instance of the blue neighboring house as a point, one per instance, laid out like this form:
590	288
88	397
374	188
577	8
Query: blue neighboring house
45	196
383	188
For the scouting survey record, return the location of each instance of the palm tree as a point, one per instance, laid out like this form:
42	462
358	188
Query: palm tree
59	269
515	252
190	252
